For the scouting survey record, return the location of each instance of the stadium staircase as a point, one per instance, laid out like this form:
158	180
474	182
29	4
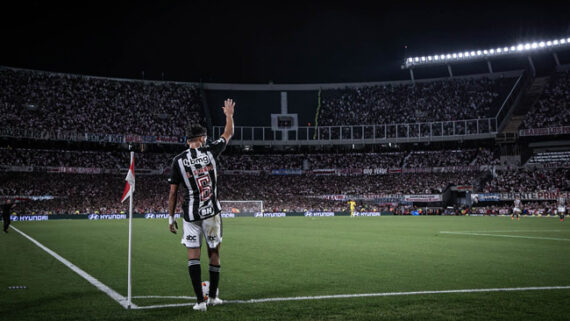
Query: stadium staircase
405	160
472	162
206	109
509	134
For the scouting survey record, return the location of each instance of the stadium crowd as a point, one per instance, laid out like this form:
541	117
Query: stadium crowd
265	162
526	180
529	208
43	101
290	192
553	107
100	193
82	158
445	100
309	161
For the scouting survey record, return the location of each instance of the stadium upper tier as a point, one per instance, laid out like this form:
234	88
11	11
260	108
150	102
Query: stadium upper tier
443	100
59	102
553	106
47	101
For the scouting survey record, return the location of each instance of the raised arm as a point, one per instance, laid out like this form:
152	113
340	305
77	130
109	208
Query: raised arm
228	108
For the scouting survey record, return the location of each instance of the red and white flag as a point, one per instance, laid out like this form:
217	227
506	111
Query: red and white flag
130	185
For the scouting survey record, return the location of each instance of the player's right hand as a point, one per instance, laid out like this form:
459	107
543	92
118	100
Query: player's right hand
173	227
228	108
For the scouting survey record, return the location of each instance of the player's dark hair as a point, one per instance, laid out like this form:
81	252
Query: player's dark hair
195	131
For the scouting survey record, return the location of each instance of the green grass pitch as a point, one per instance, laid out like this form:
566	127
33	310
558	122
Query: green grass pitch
296	256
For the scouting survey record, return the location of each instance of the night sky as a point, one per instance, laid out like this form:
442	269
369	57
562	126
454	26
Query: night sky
283	42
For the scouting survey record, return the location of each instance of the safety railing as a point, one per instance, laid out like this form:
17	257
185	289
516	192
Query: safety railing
365	134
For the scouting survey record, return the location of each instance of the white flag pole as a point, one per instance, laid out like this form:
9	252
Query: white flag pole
130	240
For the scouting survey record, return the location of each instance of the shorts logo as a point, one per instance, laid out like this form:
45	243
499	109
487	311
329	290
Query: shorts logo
191	238
211	238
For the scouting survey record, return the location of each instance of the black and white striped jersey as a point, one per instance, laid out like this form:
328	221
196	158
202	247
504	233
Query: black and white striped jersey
195	169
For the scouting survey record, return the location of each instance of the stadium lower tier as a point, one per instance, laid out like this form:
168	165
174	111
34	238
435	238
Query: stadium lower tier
57	193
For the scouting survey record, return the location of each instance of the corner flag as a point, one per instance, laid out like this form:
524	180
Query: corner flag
130	185
128	193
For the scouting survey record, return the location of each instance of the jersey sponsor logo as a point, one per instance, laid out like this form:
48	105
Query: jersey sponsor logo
203	160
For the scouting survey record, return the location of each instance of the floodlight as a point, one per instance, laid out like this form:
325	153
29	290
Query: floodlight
520	47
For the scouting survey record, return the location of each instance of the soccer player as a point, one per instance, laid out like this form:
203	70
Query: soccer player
561	207
352	204
518	208
195	169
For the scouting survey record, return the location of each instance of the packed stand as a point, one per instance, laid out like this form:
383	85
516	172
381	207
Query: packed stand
310	161
529	180
528	208
84	193
446	100
264	162
421	159
49	102
487	157
89	193
553	107
82	158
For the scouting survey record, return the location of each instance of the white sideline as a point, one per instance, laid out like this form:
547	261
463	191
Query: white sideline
343	296
511	236
510	231
164	297
107	290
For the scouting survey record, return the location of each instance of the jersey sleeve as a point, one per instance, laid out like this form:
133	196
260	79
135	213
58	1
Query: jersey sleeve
175	176
217	146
